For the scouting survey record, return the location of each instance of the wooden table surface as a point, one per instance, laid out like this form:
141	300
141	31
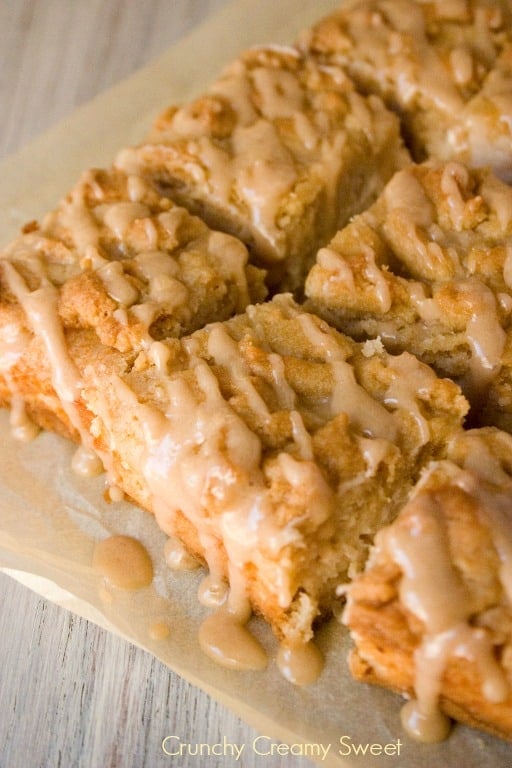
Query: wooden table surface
72	695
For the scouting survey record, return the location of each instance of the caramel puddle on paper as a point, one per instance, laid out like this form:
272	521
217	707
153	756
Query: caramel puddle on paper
177	557
300	664
23	428
85	463
159	630
124	562
126	565
226	640
212	592
113	494
224	637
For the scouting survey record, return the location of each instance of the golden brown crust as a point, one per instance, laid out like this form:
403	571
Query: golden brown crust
365	477
272	445
128	267
426	268
279	152
387	633
444	68
132	265
363	671
273	379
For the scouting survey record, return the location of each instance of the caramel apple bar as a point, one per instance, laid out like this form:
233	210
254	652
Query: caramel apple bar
427	269
116	258
279	151
431	617
286	446
271	445
445	67
316	452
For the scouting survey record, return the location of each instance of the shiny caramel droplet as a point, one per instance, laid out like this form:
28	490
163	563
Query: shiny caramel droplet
212	591
228	642
115	494
428	727
159	630
124	562
177	557
23	428
86	463
300	664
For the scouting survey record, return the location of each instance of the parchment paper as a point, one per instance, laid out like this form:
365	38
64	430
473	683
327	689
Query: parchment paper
50	519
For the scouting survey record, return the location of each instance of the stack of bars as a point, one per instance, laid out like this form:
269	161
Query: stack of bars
282	326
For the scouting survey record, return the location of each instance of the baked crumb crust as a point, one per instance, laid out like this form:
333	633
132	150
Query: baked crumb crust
467	494
287	444
445	68
122	263
279	151
426	269
274	438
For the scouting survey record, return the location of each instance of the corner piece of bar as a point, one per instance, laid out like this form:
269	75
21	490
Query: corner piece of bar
116	264
431	616
279	151
428	269
446	68
273	447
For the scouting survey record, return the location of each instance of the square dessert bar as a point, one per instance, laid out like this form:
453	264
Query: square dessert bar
431	616
279	151
446	68
428	269
272	446
119	260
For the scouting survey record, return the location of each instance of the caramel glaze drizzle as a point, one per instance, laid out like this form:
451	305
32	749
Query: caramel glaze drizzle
432	589
206	452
